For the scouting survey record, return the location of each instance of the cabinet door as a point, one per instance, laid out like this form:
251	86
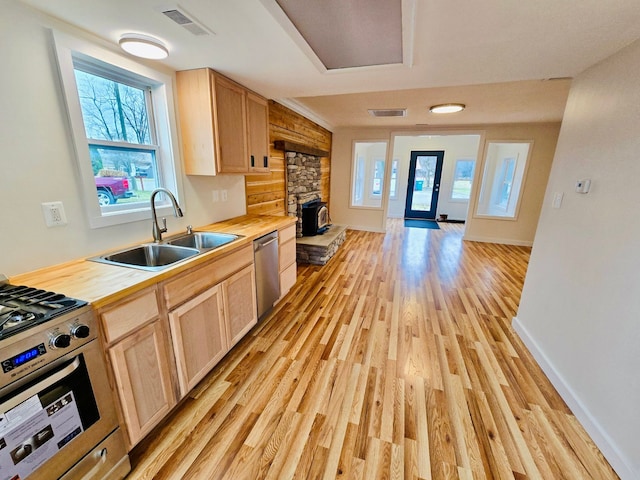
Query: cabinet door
197	125
240	304
199	337
231	120
141	369
258	133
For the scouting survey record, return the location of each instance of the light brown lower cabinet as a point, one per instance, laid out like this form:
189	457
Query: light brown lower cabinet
205	328
287	258
142	374
199	337
161	341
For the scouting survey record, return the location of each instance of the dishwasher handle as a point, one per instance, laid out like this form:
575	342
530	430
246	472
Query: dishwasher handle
260	246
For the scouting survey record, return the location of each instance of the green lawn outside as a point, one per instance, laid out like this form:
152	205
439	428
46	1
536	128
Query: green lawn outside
461	189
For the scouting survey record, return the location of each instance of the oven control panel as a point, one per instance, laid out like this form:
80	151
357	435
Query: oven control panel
23	357
27	351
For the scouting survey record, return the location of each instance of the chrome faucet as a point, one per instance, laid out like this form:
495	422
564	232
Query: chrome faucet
157	229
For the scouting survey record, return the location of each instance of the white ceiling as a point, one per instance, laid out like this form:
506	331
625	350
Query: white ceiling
495	53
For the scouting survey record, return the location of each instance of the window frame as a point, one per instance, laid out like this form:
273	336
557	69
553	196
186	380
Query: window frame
393	179
363	169
488	187
162	115
378	166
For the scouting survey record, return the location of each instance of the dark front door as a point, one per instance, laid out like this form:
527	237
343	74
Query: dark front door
425	169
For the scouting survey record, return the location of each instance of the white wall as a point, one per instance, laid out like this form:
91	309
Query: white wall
455	147
38	163
580	308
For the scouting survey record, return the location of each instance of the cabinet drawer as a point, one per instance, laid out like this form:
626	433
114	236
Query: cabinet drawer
288	279
130	315
196	281
286	234
287	254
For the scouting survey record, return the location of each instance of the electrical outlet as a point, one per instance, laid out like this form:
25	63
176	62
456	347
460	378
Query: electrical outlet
216	196
223	195
54	215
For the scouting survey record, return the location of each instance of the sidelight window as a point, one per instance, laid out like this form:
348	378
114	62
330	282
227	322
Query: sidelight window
462	178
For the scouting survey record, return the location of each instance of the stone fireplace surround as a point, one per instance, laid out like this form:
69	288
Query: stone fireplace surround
303	185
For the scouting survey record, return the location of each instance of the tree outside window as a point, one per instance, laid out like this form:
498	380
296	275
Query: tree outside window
116	119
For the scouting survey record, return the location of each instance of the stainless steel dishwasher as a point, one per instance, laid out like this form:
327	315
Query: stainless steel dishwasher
265	253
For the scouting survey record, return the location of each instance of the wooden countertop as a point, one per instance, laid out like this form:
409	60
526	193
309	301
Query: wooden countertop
101	284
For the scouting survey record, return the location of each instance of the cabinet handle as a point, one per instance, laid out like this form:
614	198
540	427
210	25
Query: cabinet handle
253	161
266	161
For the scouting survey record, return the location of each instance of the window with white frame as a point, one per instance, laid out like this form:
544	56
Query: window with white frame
119	117
358	182
378	177
393	181
503	177
367	173
462	178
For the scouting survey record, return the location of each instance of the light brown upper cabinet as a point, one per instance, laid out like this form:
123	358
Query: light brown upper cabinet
258	129
224	126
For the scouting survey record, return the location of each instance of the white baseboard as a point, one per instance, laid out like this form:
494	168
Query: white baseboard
504	241
365	229
622	465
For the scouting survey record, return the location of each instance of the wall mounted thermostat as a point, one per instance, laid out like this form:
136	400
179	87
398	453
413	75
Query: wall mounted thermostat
582	186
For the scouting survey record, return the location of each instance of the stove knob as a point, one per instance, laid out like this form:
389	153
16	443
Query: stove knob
60	340
80	331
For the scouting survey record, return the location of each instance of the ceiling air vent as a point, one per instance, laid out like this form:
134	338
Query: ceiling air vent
185	20
389	112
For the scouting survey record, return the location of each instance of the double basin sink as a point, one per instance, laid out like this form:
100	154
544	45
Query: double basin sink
157	256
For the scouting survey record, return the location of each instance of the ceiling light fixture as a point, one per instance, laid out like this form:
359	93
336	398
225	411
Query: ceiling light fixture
447	108
143	46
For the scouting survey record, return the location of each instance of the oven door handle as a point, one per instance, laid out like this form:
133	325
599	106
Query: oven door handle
40	386
101	458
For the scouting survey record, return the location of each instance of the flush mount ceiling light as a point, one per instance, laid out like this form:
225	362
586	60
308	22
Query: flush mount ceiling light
143	46
447	108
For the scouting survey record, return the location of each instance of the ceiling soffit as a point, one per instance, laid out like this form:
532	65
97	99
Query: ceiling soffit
339	35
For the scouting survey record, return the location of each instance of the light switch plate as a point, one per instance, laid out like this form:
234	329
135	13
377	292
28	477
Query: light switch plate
557	199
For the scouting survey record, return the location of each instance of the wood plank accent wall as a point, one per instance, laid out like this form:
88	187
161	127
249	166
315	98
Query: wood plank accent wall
266	193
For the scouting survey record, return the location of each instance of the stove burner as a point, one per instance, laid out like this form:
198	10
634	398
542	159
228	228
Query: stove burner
23	307
18	317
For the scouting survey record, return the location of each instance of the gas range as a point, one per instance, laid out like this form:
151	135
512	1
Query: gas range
22	308
56	406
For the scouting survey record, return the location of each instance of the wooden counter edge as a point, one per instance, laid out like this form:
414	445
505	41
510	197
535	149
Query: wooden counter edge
102	284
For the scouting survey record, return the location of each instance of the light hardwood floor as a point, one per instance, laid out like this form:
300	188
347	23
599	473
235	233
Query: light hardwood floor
395	360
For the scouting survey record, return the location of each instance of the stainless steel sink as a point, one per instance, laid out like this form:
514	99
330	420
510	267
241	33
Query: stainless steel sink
204	240
152	256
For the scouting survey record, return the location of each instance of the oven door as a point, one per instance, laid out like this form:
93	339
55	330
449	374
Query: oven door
54	417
